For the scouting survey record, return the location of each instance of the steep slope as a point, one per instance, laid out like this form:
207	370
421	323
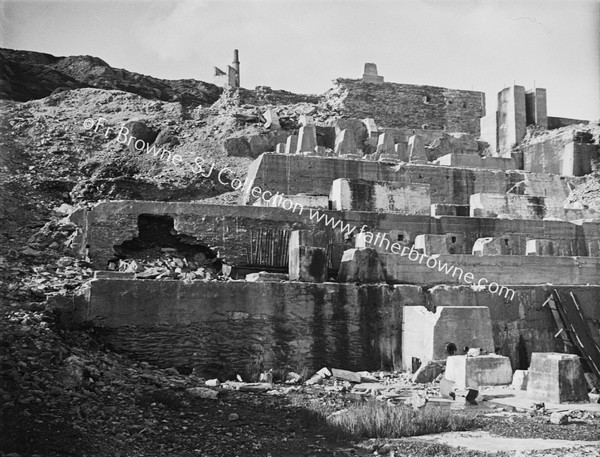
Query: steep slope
28	75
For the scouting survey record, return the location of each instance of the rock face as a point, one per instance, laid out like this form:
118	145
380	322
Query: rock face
28	75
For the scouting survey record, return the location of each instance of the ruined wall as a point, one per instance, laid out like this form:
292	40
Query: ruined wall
232	229
294	174
411	106
224	328
568	154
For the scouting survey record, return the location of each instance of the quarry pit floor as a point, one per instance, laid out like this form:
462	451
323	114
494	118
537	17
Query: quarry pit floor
119	407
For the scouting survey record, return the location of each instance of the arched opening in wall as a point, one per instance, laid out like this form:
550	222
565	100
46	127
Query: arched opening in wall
159	246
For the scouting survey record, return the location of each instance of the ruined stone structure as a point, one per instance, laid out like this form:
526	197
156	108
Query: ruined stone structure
231	77
351	299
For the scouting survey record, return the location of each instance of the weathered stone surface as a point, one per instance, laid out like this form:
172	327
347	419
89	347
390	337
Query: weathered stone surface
291	144
361	266
344	143
372	130
306	120
226	229
416	150
271	119
429	371
432	244
237	147
346	375
401	151
559	418
385	144
501	245
263	276
526	207
556	378
519	381
280	148
359	195
370	74
171	323
320	151
540	247
412	106
308	263
307	139
426	334
447	184
139	135
472	372
506	271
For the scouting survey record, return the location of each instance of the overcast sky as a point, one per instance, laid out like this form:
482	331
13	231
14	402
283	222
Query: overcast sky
302	45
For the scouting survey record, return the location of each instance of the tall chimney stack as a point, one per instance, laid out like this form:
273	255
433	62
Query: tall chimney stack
236	65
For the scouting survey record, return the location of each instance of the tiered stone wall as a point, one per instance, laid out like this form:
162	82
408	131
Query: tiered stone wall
228	229
295	174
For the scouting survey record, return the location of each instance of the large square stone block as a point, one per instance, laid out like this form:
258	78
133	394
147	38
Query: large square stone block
556	378
484	370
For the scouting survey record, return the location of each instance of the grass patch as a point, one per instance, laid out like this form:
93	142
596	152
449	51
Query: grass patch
375	419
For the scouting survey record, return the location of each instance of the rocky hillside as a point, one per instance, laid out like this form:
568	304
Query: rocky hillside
27	75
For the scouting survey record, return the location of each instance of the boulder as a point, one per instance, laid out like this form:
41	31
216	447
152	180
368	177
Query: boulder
429	371
237	147
137	131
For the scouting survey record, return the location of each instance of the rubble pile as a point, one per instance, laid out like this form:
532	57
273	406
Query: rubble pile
172	265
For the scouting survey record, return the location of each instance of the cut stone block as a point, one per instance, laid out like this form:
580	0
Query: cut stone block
472	372
431	244
345	143
449	243
385	144
308	263
444	209
556	378
291	144
540	247
346	375
372	130
307	139
519	381
426	334
401	150
493	246
280	148
370	75
429	371
272	119
362	266
306	120
360	195
416	150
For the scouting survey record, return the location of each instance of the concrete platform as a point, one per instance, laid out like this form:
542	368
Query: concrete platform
518	400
